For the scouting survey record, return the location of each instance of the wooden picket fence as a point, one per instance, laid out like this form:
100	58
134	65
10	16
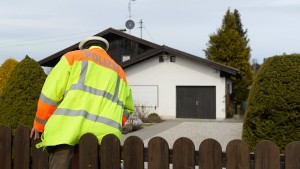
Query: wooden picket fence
19	152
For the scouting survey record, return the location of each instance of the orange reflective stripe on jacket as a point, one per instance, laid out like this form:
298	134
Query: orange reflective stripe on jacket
103	59
44	111
124	119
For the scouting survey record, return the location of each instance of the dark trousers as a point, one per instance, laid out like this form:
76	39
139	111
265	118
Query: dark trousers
60	156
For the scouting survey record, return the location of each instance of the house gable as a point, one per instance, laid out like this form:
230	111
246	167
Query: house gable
171	53
125	47
137	50
121	44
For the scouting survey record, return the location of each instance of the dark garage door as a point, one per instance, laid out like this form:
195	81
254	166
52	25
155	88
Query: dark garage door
196	102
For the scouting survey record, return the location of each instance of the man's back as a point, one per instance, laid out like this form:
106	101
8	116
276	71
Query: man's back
94	91
86	92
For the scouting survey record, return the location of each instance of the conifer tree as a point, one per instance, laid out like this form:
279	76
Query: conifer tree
18	101
229	46
239	25
5	71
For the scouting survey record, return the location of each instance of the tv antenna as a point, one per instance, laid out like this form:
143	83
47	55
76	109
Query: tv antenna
141	27
129	23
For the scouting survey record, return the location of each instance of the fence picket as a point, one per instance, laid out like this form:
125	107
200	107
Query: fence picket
238	155
39	157
158	153
5	147
21	148
183	154
88	152
210	154
292	155
110	152
133	153
267	155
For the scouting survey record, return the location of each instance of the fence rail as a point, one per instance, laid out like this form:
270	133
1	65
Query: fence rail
19	152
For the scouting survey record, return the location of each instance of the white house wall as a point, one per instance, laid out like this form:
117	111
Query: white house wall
167	75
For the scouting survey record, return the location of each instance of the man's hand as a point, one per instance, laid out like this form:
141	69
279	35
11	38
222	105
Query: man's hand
34	134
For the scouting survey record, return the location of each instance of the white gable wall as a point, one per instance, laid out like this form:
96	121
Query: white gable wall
167	75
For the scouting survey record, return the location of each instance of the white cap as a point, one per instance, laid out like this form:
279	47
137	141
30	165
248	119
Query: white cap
95	38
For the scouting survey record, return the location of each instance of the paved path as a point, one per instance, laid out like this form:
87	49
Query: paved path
196	130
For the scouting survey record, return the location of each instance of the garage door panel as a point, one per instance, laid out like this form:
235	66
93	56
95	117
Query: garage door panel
186	103
196	102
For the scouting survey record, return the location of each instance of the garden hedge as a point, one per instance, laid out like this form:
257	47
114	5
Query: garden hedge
273	107
18	101
5	71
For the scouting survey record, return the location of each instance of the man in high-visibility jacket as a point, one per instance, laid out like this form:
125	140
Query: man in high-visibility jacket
86	92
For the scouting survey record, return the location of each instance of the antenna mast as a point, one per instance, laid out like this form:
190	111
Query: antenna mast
141	27
129	24
129	8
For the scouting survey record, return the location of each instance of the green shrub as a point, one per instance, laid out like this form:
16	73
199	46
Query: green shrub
18	101
153	118
273	107
5	71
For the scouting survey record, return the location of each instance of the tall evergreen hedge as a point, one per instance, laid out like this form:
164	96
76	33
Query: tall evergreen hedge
5	71
18	101
273	108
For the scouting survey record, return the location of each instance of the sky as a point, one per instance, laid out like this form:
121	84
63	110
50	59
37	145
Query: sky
41	28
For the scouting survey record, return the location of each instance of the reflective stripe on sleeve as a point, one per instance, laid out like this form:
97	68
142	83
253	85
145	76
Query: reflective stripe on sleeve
88	116
48	100
41	121
126	114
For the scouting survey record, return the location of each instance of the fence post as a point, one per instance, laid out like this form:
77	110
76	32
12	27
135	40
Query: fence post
183	153
267	155
292	155
133	153
88	151
210	154
5	147
158	153
238	155
21	148
39	156
110	152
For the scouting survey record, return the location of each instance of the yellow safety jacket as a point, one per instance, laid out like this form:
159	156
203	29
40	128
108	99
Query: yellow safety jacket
86	92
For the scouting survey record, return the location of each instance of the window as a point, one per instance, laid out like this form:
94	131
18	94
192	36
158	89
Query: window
228	86
125	58
145	95
173	58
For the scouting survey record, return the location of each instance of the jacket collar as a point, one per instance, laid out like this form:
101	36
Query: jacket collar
96	47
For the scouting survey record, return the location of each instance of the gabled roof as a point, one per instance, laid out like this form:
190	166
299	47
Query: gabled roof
225	70
107	34
152	50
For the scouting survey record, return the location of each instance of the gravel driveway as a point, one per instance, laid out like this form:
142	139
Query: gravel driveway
196	130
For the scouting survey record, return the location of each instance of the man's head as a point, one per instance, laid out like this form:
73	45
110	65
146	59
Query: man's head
94	41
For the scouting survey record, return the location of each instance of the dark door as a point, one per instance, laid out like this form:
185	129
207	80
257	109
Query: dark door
196	102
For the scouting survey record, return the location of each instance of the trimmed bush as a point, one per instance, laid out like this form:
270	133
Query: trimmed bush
18	101
273	107
5	71
153	118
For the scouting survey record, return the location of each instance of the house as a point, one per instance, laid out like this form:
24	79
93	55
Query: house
174	83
